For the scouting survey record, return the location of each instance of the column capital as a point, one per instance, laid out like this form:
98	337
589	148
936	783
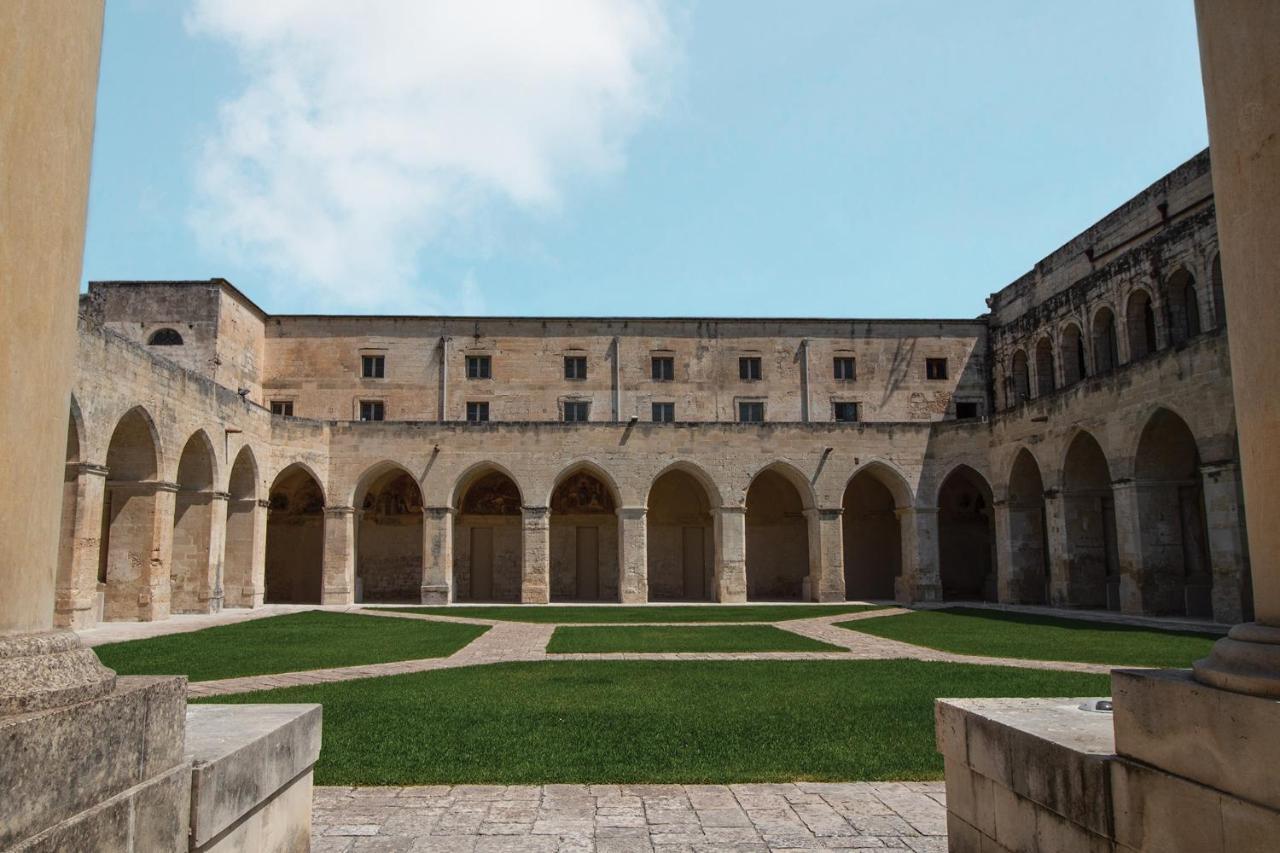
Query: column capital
437	512
632	513
142	487
732	509
914	510
1225	466
90	468
221	496
535	512
263	502
338	511
826	513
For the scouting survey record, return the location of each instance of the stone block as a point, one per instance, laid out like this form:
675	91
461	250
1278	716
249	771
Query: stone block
1015	820
969	795
1055	834
949	730
962	835
1155	811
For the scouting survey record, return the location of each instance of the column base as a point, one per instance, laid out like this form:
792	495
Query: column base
435	595
534	595
48	670
1247	660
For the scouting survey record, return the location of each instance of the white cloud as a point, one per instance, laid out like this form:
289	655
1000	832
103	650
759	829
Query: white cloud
367	128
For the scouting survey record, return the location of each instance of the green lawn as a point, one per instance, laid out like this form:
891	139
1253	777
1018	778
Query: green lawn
665	638
1021	635
312	639
614	613
651	721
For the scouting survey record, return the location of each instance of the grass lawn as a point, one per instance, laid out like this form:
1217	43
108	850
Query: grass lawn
1022	635
665	638
312	639
651	721
614	613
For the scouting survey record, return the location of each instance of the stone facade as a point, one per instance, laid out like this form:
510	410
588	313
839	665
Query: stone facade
1014	457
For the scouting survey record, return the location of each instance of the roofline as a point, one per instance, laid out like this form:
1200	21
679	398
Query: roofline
206	282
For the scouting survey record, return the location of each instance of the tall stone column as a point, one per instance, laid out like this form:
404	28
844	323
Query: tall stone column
826	554
633	555
921	580
437	554
1228	552
339	581
731	554
77	594
1007	582
159	600
1057	558
1133	573
535	580
217	550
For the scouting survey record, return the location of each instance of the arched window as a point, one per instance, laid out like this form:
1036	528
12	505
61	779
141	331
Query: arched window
1105	353
165	338
1073	369
1184	307
1140	320
1045	380
1021	379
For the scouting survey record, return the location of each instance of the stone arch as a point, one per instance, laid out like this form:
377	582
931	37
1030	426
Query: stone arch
680	540
595	470
1021	372
794	476
1046	379
166	337
872	531
584	535
194	583
1175	577
130	569
389	535
1219	296
294	570
1140	323
698	473
1090	572
1028	581
1072	350
242	549
777	528
488	537
966	535
1106	349
1184	306
69	587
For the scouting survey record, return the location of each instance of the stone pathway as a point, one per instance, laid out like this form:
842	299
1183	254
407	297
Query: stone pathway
753	818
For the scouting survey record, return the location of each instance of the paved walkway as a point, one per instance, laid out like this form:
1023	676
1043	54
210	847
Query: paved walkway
625	818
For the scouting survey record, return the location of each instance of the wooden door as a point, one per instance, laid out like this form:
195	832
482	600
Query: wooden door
481	563
588	562
692	559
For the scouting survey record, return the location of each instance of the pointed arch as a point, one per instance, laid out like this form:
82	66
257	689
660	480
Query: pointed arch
591	467
1106	348
1020	369
680	541
476	471
242	483
1090	571
135	452
872	531
966	535
584	534
1140	322
1183	302
71	588
792	475
243	554
194	586
127	570
75	433
698	473
389	534
1046	378
777	527
488	534
1072	350
1028	581
294	568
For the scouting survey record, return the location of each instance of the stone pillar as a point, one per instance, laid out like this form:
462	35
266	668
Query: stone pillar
1228	552
921	580
158	603
1058	544
535	580
339	581
77	602
1133	573
217	549
633	555
437	554
731	554
1007	582
826	554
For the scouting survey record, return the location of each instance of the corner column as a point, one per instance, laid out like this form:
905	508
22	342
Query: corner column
339	580
731	554
920	580
535	580
76	603
1133	574
633	555
826	554
437	554
1228	551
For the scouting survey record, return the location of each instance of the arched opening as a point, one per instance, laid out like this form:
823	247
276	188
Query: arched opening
67	587
1219	298
193	582
165	338
1091	574
872	538
1140	319
584	540
389	537
680	544
965	536
1184	307
777	539
1176	577
1046	382
126	574
1021	378
238	586
1106	353
1028	544
1073	367
488	544
295	539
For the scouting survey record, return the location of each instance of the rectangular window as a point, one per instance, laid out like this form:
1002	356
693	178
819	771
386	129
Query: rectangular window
371	410
664	368
576	411
845	412
750	412
373	366
575	367
935	368
282	407
966	411
477	413
749	368
478	367
664	413
846	368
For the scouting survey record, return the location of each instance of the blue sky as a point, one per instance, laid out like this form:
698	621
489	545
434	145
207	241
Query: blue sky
856	158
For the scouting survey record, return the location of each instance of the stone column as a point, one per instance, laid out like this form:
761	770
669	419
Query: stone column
77	604
1007	582
339	581
247	589
1057	558
160	593
1228	552
535	580
731	554
826	554
217	549
920	580
633	555
437	554
1133	574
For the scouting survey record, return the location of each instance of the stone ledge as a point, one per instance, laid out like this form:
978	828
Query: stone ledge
242	756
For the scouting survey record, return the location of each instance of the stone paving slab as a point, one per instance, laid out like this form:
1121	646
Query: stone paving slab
768	818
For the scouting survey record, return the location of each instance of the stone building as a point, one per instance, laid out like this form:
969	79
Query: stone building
1074	446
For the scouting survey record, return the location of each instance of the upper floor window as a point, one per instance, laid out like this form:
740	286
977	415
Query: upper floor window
575	367
845	412
478	367
477	412
749	368
750	412
664	413
935	368
165	338
966	410
282	407
576	411
846	367
664	368
373	366
372	410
